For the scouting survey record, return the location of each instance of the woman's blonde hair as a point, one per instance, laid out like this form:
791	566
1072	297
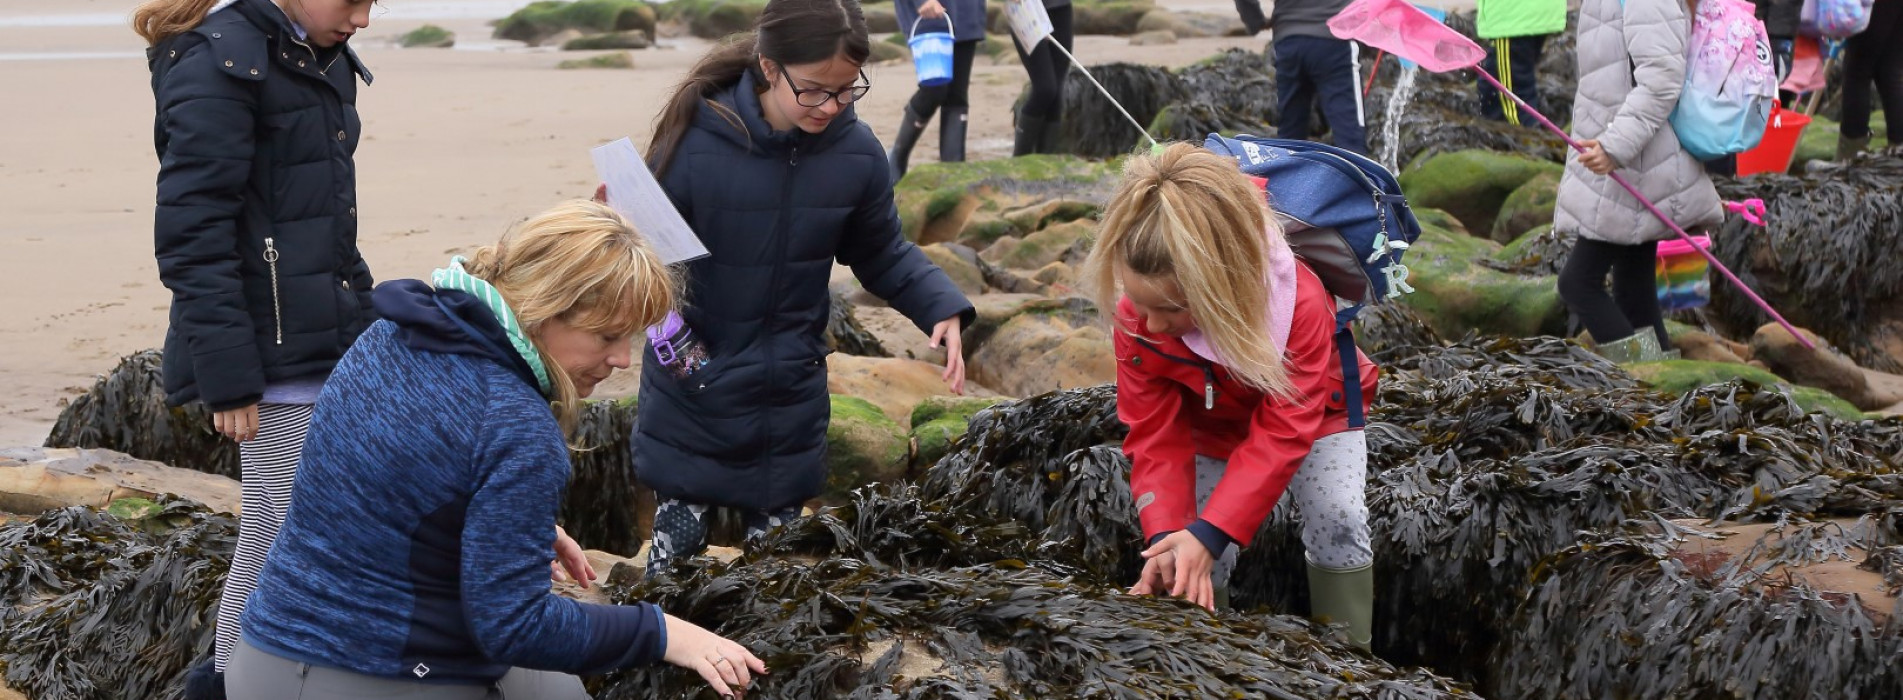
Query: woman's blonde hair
158	20
584	264
1191	216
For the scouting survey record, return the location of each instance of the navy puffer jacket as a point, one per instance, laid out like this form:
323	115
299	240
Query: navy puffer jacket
256	220
774	210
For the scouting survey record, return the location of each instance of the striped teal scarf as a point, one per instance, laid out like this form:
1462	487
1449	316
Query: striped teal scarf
455	277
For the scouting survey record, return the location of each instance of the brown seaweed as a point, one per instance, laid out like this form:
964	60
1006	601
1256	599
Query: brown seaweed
1622	615
1824	228
125	411
130	614
838	603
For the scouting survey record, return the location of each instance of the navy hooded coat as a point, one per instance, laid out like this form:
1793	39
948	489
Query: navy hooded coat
256	221
774	209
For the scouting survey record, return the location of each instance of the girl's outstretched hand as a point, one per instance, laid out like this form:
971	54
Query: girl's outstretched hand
947	331
1186	569
571	563
727	667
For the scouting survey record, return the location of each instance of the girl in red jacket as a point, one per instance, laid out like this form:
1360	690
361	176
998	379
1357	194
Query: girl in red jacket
1228	378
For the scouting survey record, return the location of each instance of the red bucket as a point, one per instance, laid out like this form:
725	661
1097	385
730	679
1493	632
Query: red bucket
1774	153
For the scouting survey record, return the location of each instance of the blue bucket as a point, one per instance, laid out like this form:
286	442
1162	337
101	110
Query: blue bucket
932	54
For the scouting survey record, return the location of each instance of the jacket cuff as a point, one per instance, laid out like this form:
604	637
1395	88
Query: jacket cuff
622	636
1158	537
1212	537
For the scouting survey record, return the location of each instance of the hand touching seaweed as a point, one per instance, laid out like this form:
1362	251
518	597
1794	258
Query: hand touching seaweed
1180	564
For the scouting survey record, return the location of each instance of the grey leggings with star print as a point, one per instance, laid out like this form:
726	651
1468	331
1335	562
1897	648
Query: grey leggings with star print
1329	489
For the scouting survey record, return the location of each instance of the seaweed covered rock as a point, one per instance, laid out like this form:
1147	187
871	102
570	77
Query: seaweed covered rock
1457	293
428	36
605	507
1763	616
1092	127
903	597
1049	462
1231	92
97	609
1415	115
1539	251
1487	456
126	412
1472	185
1678	377
1840	223
542	20
1385	329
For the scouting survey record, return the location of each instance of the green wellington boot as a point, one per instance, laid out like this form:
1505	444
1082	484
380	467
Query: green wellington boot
1337	596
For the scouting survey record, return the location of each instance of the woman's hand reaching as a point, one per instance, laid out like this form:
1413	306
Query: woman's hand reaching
727	667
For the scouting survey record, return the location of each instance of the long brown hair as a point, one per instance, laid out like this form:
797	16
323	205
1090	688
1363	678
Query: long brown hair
580	262
789	32
158	20
1190	216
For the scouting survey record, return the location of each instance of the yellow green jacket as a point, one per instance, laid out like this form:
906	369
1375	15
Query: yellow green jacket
1507	18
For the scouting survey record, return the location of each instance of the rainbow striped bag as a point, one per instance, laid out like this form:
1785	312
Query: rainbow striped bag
1682	279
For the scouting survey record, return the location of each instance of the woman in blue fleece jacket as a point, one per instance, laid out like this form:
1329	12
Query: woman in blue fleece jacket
415	561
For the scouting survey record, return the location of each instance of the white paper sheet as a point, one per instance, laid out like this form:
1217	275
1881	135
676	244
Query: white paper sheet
1029	21
633	192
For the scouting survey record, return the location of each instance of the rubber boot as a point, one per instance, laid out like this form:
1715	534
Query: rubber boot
204	682
909	131
951	134
1847	147
1629	349
1030	131
1047	137
1344	597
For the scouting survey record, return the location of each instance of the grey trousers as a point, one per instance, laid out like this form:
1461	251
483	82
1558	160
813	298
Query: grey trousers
1330	489
256	675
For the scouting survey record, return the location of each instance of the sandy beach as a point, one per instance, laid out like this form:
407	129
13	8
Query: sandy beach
457	144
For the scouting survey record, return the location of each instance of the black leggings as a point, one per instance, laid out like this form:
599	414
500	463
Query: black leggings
1047	68
956	93
1876	56
1634	301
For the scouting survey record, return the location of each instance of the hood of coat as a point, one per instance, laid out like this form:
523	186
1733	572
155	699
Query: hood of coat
447	321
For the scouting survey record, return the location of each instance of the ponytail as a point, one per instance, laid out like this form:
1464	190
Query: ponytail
158	20
719	69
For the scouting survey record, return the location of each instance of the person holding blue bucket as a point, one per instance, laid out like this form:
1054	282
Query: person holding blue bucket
944	37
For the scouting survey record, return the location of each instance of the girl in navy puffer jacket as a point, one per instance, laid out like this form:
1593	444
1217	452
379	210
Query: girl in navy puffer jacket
255	232
762	154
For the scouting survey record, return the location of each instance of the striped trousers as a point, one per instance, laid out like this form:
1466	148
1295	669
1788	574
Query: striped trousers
269	467
1513	60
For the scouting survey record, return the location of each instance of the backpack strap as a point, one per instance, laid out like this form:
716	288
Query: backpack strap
1350	366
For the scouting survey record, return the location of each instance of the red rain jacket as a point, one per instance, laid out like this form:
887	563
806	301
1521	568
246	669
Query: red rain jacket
1160	396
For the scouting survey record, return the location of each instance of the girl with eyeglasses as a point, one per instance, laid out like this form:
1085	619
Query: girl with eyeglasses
762	154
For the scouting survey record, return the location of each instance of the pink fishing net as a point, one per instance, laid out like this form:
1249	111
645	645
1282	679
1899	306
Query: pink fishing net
1400	28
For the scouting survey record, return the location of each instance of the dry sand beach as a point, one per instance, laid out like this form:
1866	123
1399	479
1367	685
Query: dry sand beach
458	143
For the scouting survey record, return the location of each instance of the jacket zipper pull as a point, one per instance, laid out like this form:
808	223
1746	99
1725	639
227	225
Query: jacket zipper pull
1209	389
277	307
795	159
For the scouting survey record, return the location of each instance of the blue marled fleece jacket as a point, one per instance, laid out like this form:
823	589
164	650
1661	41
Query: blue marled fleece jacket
423	518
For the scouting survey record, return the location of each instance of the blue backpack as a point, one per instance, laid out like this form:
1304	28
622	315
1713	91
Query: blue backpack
1345	216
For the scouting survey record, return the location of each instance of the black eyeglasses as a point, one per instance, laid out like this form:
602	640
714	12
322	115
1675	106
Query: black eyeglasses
816	97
